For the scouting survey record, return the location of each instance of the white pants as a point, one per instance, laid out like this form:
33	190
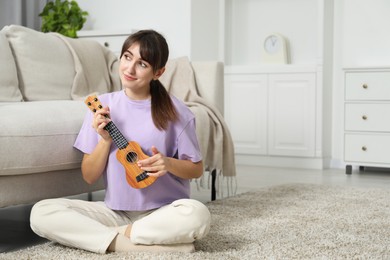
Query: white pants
93	226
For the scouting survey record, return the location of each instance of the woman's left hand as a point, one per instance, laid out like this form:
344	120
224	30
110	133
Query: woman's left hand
157	165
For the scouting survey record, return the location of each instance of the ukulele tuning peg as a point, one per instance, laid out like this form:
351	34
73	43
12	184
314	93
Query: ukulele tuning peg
94	110
100	106
95	99
89	104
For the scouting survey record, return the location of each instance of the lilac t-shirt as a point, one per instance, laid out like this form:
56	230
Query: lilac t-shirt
133	119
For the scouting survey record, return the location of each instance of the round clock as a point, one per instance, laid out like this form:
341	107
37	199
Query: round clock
275	49
272	43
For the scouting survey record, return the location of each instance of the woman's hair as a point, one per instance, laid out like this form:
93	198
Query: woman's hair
153	48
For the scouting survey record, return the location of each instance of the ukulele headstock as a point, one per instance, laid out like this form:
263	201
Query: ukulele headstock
93	103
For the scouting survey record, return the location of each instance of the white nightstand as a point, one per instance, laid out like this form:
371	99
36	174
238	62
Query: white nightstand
110	39
367	117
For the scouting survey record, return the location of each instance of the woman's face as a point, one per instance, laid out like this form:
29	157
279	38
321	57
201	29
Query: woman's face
136	73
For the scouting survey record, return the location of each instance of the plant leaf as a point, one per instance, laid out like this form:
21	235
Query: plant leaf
65	17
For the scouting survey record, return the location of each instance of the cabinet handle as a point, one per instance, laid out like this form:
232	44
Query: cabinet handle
364	148
106	44
365	86
364	117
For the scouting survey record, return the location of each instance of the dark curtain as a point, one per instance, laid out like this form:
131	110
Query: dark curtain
21	12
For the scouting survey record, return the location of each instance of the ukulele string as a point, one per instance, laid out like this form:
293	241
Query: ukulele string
122	143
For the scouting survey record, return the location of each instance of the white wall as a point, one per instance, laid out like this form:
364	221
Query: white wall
169	17
206	39
361	38
366	32
253	20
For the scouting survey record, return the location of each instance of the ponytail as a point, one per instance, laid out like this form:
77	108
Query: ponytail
163	110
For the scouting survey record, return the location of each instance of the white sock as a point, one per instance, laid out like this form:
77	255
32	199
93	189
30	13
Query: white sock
122	243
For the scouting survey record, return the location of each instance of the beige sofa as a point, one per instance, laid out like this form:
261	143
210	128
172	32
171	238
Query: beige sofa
42	81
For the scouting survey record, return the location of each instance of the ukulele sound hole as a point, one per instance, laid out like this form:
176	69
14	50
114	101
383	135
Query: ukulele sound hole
131	157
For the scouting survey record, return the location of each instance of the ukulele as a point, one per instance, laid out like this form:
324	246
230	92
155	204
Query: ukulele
128	152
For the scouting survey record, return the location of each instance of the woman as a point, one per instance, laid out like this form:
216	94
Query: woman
160	217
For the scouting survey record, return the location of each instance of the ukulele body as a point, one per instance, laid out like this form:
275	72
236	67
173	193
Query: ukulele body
128	157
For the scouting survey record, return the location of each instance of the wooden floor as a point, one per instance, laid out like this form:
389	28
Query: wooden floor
14	221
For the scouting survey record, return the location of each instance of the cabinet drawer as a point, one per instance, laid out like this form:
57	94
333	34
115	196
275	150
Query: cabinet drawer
113	42
367	117
367	85
367	148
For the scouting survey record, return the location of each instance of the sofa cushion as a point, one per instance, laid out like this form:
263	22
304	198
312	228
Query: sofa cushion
95	65
9	89
39	136
44	64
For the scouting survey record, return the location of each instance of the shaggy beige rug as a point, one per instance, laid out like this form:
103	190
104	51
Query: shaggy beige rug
296	221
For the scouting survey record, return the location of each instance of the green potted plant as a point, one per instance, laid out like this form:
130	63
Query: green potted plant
64	17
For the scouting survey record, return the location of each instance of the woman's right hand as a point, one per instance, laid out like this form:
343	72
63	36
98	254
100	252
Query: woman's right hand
100	121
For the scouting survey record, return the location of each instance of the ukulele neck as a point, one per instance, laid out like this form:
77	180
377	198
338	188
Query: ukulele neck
119	140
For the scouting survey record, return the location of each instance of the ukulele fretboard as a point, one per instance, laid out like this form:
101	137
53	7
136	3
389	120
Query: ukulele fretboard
119	140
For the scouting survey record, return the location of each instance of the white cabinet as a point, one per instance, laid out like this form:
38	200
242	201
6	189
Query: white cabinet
291	114
366	117
111	40
271	114
246	102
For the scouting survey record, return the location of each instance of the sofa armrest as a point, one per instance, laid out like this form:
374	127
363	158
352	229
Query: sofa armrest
209	76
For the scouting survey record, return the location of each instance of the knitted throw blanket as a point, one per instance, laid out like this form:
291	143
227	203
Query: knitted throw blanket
213	134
